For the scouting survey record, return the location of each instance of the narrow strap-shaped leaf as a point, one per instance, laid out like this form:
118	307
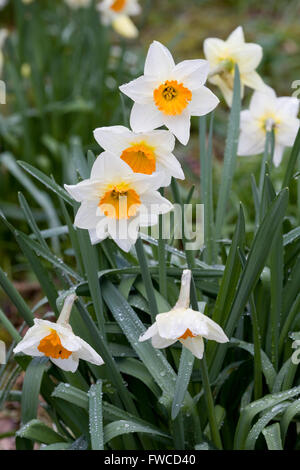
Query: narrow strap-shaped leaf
48	182
292	161
95	416
291	411
15	297
183	379
230	154
251	410
37	431
273	437
260	425
118	428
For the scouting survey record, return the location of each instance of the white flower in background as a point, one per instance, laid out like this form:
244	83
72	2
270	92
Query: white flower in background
115	201
169	94
266	111
3	36
184	324
2	352
58	342
222	57
144	152
117	12
78	3
3	3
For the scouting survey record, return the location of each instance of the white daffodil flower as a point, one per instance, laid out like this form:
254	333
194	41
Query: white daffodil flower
224	55
58	342
266	111
169	94
144	152
78	3
117	13
2	352
3	3
115	201
184	324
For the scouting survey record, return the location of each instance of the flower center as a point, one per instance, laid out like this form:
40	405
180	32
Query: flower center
268	122
51	346
172	97
187	334
120	202
118	5
140	157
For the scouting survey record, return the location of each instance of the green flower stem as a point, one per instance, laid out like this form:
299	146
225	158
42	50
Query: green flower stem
146	277
162	258
9	327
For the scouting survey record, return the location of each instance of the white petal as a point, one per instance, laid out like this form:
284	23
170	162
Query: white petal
215	332
160	139
124	26
287	131
248	57
107	168
159	62
203	102
236	38
140	90
86	216
87	353
170	165
87	189
278	154
114	139
195	345
225	89
262	102
154	203
192	73
69	365
251	144
253	80
151	331
94	238
213	50
32	337
160	343
288	105
145	118
180	125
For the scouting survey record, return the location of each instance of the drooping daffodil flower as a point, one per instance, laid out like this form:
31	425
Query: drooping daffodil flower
184	324
117	13
2	352
267	112
116	201
58	342
224	55
169	94
144	152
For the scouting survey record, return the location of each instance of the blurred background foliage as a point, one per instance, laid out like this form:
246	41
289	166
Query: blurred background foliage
62	69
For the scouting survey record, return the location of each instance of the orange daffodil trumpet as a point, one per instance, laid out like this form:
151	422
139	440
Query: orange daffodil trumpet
267	112
144	152
116	201
184	324
58	342
117	13
224	55
169	94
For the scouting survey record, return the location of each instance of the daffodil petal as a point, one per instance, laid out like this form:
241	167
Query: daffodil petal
195	345
159	62
145	118
203	102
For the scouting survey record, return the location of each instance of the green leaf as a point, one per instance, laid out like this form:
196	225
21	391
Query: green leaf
251	410
292	161
119	428
48	182
183	379
31	388
230	154
95	416
36	430
15	298
273	437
